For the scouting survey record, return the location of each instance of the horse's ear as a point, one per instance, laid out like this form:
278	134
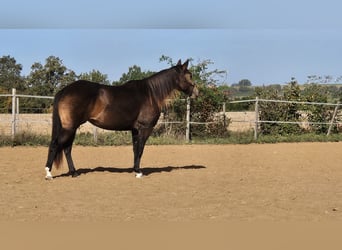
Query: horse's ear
179	62
185	65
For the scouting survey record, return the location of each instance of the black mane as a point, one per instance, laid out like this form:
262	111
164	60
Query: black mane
162	84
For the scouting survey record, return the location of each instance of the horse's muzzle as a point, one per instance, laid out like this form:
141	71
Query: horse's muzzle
195	92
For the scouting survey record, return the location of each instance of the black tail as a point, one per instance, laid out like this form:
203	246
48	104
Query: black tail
56	133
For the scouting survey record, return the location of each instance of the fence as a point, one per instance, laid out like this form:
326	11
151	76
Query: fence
251	119
13	117
257	121
16	119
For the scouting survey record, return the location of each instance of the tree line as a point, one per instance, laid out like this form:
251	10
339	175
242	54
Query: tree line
47	78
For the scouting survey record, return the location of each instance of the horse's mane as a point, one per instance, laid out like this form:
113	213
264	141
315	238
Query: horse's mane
162	85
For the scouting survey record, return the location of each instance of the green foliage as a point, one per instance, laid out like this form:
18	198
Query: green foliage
292	112
318	113
10	77
47	79
24	139
205	109
274	111
95	76
243	106
242	89
134	73
10	74
245	83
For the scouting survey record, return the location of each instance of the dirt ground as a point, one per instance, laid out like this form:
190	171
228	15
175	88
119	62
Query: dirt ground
258	182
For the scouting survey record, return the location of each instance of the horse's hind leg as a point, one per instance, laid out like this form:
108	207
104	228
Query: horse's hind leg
51	157
62	142
67	152
72	170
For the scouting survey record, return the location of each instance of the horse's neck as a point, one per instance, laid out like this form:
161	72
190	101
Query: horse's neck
162	86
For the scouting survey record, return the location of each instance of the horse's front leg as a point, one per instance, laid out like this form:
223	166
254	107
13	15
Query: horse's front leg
139	138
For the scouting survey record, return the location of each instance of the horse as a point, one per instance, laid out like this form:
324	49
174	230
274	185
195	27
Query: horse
134	106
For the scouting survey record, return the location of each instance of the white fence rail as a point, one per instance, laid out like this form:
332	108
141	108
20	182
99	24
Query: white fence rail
257	121
237	119
20	120
14	117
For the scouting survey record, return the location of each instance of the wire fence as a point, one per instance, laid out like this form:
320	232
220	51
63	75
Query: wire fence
304	122
15	120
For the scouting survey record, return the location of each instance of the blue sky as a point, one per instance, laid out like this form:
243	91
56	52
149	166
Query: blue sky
264	41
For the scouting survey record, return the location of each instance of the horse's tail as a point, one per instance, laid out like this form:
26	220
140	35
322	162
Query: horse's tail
56	132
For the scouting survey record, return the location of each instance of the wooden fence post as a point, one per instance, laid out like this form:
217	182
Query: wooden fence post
333	119
95	134
187	131
256	118
13	130
224	115
17	119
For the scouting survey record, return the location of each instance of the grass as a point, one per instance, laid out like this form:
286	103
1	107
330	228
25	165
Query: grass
124	138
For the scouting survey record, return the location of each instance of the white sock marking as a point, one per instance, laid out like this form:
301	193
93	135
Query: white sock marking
139	175
48	174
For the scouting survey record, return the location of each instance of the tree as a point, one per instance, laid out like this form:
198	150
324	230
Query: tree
10	77
134	73
244	86
245	83
48	79
95	76
10	74
272	111
320	79
317	113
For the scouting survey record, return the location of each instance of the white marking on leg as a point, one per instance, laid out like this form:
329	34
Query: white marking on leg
48	174
139	175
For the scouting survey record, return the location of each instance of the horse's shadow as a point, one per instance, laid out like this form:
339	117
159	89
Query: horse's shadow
146	171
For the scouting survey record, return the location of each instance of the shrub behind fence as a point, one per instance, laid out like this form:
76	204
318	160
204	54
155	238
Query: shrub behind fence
177	120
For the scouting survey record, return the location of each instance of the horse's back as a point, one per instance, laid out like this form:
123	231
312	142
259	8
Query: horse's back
74	102
79	88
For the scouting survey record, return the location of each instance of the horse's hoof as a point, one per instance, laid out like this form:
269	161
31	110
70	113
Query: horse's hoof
48	177
139	175
74	174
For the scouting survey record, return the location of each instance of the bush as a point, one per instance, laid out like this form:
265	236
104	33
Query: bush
274	111
293	112
318	113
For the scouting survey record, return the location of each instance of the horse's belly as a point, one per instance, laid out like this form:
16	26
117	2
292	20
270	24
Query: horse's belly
112	124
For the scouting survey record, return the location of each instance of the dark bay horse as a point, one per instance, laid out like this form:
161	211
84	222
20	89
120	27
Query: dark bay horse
134	106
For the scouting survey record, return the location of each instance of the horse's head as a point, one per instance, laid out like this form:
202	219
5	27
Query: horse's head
185	83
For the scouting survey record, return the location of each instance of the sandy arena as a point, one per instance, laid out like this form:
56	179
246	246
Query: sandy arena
257	182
